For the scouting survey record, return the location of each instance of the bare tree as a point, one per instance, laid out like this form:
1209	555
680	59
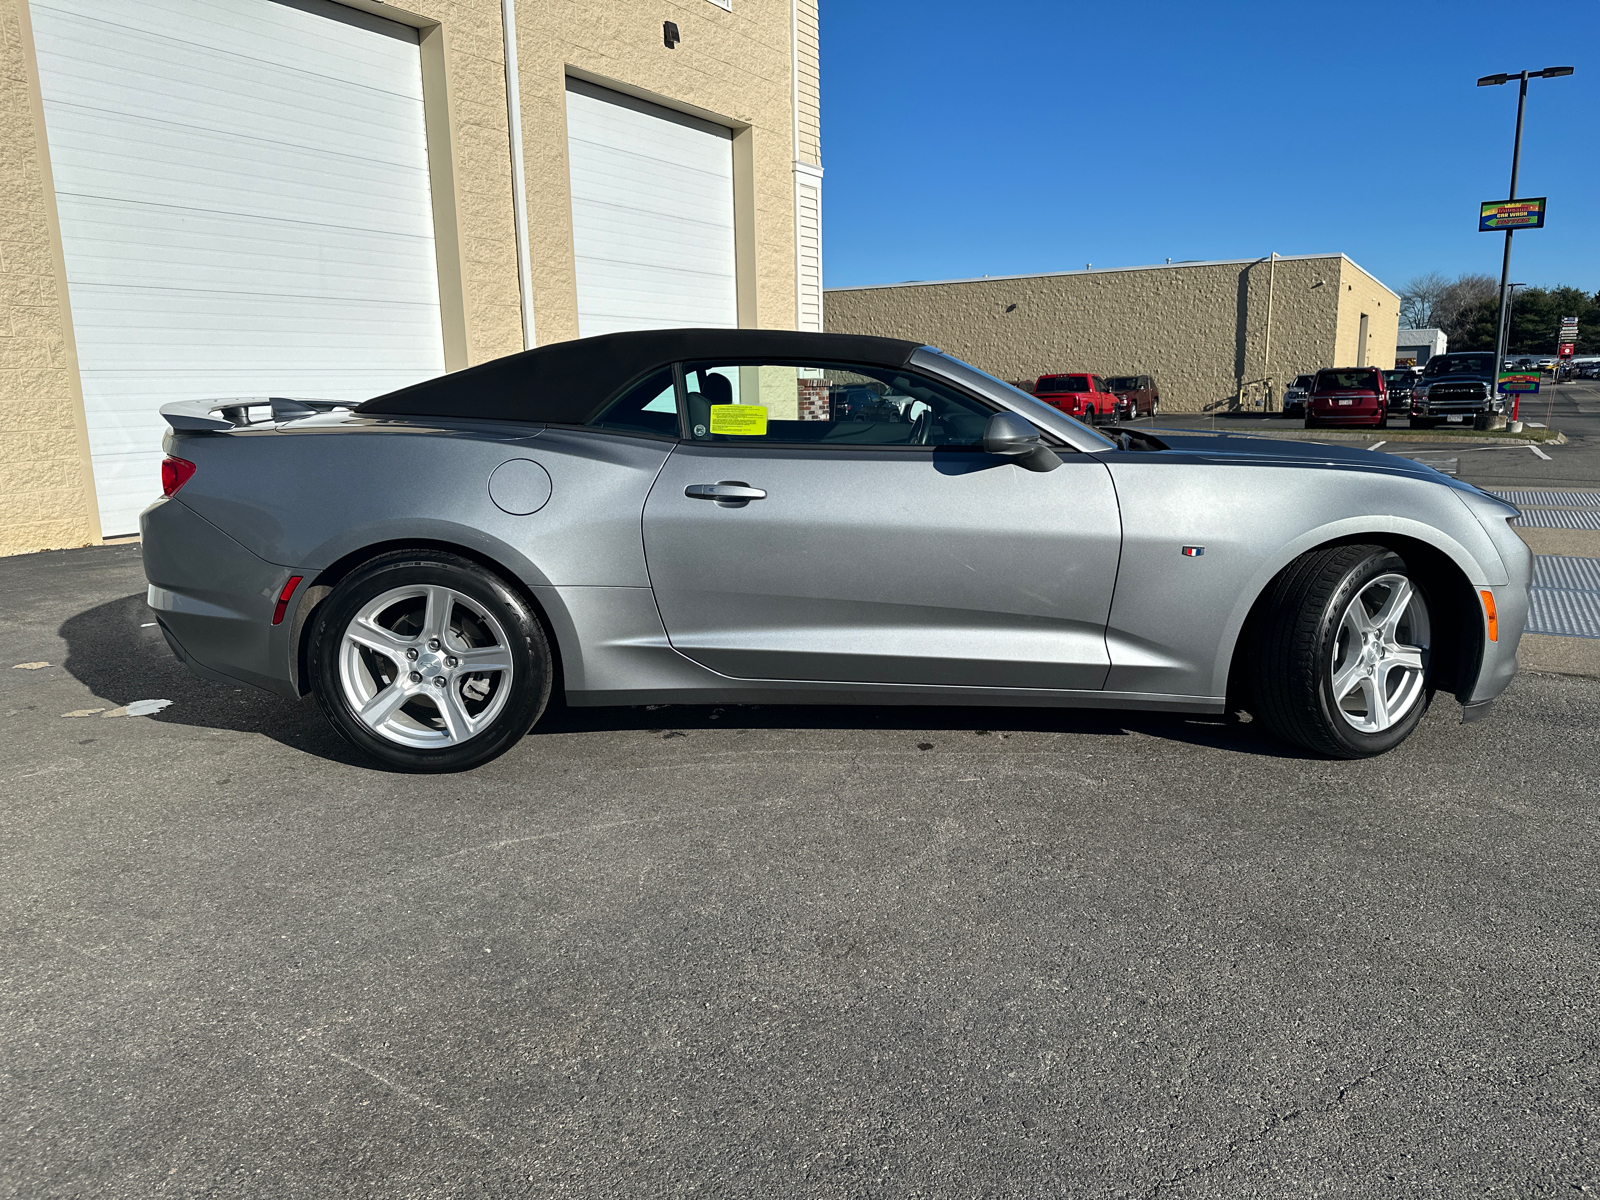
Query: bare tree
1420	302
1462	301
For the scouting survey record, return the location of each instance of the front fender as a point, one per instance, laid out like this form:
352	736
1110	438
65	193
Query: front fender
1175	618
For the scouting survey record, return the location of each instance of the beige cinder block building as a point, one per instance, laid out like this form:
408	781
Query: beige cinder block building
303	197
1201	329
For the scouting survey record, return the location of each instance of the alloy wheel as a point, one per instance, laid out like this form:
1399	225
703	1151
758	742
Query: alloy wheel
425	666
1380	654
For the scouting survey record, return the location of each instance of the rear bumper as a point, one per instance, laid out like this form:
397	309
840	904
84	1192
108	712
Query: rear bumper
214	599
1344	416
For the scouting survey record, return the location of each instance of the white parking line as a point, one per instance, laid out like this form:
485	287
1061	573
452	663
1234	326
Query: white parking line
1375	445
1540	453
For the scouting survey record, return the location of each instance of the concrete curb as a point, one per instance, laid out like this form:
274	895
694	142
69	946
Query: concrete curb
1547	654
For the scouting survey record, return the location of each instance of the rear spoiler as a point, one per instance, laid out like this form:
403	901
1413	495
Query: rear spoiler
219	416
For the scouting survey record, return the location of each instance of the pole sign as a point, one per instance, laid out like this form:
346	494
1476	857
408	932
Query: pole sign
1526	382
1497	215
1565	350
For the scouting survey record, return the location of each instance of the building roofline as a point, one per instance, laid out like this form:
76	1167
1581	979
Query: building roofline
1214	262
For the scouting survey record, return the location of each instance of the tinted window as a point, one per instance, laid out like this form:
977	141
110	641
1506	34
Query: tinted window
1355	380
649	406
1064	383
1460	364
1303	381
827	405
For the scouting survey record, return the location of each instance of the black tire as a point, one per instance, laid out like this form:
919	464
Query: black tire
1294	640
1310	424
1155	407
528	650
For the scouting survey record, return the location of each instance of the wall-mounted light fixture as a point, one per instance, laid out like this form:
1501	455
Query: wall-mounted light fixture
669	35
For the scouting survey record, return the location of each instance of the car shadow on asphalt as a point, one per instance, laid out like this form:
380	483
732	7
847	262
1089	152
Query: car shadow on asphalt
116	652
1225	732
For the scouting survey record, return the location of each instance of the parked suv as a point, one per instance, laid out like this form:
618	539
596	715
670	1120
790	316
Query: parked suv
1139	395
1083	396
1348	396
1455	388
1399	383
1294	396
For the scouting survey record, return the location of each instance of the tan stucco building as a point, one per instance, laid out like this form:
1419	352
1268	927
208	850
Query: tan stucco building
1201	329
317	198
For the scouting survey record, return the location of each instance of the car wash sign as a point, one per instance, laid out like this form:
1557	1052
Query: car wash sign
1495	215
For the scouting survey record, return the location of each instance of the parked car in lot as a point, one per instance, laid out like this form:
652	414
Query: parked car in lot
1455	389
1398	384
1348	396
1083	396
612	522
1294	396
1138	396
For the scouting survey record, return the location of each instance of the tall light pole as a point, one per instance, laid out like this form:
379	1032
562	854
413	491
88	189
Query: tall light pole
1516	158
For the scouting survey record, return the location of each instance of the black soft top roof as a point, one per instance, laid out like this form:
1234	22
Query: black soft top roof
566	383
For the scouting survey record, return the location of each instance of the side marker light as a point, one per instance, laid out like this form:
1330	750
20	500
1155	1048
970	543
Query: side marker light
1490	616
283	598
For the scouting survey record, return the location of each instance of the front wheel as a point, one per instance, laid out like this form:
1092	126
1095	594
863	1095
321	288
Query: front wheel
1342	648
428	662
1155	407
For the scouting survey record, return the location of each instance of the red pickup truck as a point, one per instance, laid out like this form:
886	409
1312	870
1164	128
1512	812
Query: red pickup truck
1083	396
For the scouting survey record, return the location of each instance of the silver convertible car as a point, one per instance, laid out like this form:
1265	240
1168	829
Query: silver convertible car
714	516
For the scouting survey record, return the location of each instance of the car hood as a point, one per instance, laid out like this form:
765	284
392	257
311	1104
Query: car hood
1245	450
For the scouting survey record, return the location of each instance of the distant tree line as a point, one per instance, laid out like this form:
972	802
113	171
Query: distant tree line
1467	308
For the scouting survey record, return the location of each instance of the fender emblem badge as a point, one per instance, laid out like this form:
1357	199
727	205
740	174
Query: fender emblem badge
1193	551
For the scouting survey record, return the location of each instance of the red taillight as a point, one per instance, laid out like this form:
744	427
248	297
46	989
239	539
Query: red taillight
175	472
283	598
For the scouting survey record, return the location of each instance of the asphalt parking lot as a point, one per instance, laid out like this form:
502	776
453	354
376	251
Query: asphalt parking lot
778	952
1572	408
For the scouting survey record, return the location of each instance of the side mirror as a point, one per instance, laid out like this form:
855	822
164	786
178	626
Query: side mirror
1013	437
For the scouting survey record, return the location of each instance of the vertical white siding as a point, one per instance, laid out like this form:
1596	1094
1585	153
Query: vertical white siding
808	248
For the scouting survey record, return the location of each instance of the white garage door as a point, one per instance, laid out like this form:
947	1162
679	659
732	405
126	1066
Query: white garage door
652	214
243	190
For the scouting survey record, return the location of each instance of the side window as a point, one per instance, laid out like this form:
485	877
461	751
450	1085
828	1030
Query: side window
827	405
1100	385
649	406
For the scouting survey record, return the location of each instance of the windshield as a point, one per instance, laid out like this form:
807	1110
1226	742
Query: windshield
1397	378
1302	381
1459	364
1123	383
1064	383
1074	433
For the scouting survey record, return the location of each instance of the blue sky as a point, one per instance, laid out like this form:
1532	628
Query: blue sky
993	139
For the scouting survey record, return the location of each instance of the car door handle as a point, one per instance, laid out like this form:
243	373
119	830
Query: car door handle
729	489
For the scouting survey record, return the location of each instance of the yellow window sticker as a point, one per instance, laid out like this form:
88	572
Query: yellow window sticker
739	420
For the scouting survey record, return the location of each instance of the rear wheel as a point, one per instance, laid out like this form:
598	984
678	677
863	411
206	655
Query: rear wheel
1341	661
1155	407
428	662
